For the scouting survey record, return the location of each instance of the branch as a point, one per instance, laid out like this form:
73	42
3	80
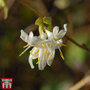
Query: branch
81	83
28	6
83	46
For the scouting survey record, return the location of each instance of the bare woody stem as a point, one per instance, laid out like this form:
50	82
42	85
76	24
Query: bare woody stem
26	5
83	46
81	83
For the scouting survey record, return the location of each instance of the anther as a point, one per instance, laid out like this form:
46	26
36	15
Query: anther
50	46
63	45
50	55
36	52
46	51
62	56
26	46
43	44
38	60
56	38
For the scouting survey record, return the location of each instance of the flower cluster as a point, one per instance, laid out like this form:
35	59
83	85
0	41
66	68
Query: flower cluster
44	46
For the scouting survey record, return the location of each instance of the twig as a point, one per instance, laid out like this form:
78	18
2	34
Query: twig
81	46
26	5
81	83
74	42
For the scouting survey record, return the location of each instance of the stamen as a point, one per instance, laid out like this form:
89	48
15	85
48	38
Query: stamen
56	38
31	51
58	44
63	45
24	50
26	46
38	60
43	44
50	55
61	53
21	53
46	51
50	46
36	52
62	56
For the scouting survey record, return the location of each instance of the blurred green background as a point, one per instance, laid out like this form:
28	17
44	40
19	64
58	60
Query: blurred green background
63	73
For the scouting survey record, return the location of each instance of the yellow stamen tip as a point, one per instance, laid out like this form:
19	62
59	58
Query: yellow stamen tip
21	53
38	60
26	46
50	55
43	44
31	51
46	51
58	44
50	46
36	52
62	56
63	45
56	38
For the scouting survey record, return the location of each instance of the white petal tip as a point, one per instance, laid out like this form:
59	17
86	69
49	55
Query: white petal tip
41	67
32	67
65	24
65	27
48	33
49	64
56	28
21	30
31	34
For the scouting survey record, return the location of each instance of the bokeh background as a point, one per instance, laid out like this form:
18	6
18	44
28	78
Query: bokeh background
63	74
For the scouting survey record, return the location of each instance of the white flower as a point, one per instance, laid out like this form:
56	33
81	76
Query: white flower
55	39
56	34
39	51
43	47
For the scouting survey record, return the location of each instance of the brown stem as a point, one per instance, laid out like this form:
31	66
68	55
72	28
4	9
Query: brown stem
81	83
26	5
81	46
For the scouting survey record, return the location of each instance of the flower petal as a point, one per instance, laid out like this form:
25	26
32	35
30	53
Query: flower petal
50	59
31	61
41	56
44	61
43	36
55	30
62	33
31	36
24	36
58	43
34	52
49	33
65	27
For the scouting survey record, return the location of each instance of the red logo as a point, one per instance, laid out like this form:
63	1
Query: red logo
6	83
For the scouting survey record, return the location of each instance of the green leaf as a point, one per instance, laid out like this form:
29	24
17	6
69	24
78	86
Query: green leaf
47	20
39	21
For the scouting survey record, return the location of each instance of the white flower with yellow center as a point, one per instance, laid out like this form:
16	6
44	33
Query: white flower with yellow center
44	47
